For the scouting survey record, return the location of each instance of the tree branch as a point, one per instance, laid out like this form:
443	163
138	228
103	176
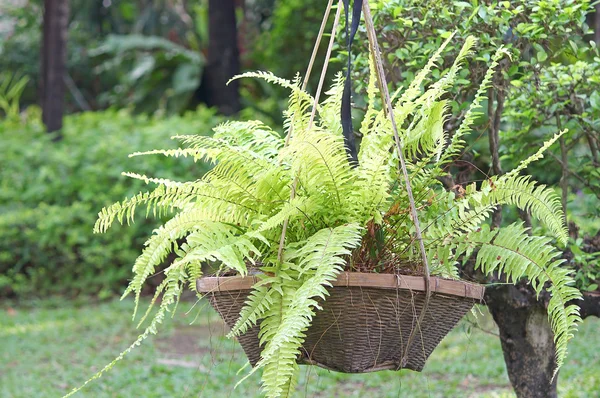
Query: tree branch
495	116
564	183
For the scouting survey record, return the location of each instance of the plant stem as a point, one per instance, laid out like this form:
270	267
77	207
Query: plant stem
564	183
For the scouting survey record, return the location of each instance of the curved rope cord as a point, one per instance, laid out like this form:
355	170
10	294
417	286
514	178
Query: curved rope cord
375	51
313	56
315	103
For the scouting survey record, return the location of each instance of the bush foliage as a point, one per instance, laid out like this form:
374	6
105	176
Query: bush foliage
50	193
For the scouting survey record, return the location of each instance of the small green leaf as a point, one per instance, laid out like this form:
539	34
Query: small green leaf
595	100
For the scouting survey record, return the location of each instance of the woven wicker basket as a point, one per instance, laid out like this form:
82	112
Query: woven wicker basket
365	320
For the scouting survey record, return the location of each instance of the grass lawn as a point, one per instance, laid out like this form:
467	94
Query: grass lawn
50	346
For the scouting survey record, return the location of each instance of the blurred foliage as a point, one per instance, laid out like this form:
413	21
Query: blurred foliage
588	272
145	52
51	192
554	97
149	53
20	51
11	90
286	50
284	39
153	73
20	46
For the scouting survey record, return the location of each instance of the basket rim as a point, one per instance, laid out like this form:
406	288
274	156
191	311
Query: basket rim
439	285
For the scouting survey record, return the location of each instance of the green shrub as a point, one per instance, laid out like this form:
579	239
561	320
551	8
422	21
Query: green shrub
549	83
51	192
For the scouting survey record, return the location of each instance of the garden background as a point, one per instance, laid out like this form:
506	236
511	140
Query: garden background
85	83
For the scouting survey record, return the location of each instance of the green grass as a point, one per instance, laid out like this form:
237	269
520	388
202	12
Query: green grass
50	346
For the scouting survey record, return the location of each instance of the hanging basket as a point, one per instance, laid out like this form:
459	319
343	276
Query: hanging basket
365	322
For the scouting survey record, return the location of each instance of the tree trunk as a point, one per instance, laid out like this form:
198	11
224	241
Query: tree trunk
597	25
527	340
590	305
223	59
593	21
54	59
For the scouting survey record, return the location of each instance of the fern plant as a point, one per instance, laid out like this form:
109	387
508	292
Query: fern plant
341	216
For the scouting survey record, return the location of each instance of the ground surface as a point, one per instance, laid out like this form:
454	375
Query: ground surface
48	347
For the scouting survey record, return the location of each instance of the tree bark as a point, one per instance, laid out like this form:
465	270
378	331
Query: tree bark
525	334
590	305
54	60
595	25
527	340
223	60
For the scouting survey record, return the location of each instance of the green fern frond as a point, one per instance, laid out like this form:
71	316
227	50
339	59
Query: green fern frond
456	217
299	102
196	154
297	116
163	242
525	194
415	86
319	160
536	156
158	181
254	136
163	197
257	304
439	88
315	265
300	206
423	137
280	372
427	137
372	94
330	111
273	79
512	251
218	242
425	134
214	150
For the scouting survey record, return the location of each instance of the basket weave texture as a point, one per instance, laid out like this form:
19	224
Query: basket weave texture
360	328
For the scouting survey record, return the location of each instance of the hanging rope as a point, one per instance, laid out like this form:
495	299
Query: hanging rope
374	47
313	56
347	95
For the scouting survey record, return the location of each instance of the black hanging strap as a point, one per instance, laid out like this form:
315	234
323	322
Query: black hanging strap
346	108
